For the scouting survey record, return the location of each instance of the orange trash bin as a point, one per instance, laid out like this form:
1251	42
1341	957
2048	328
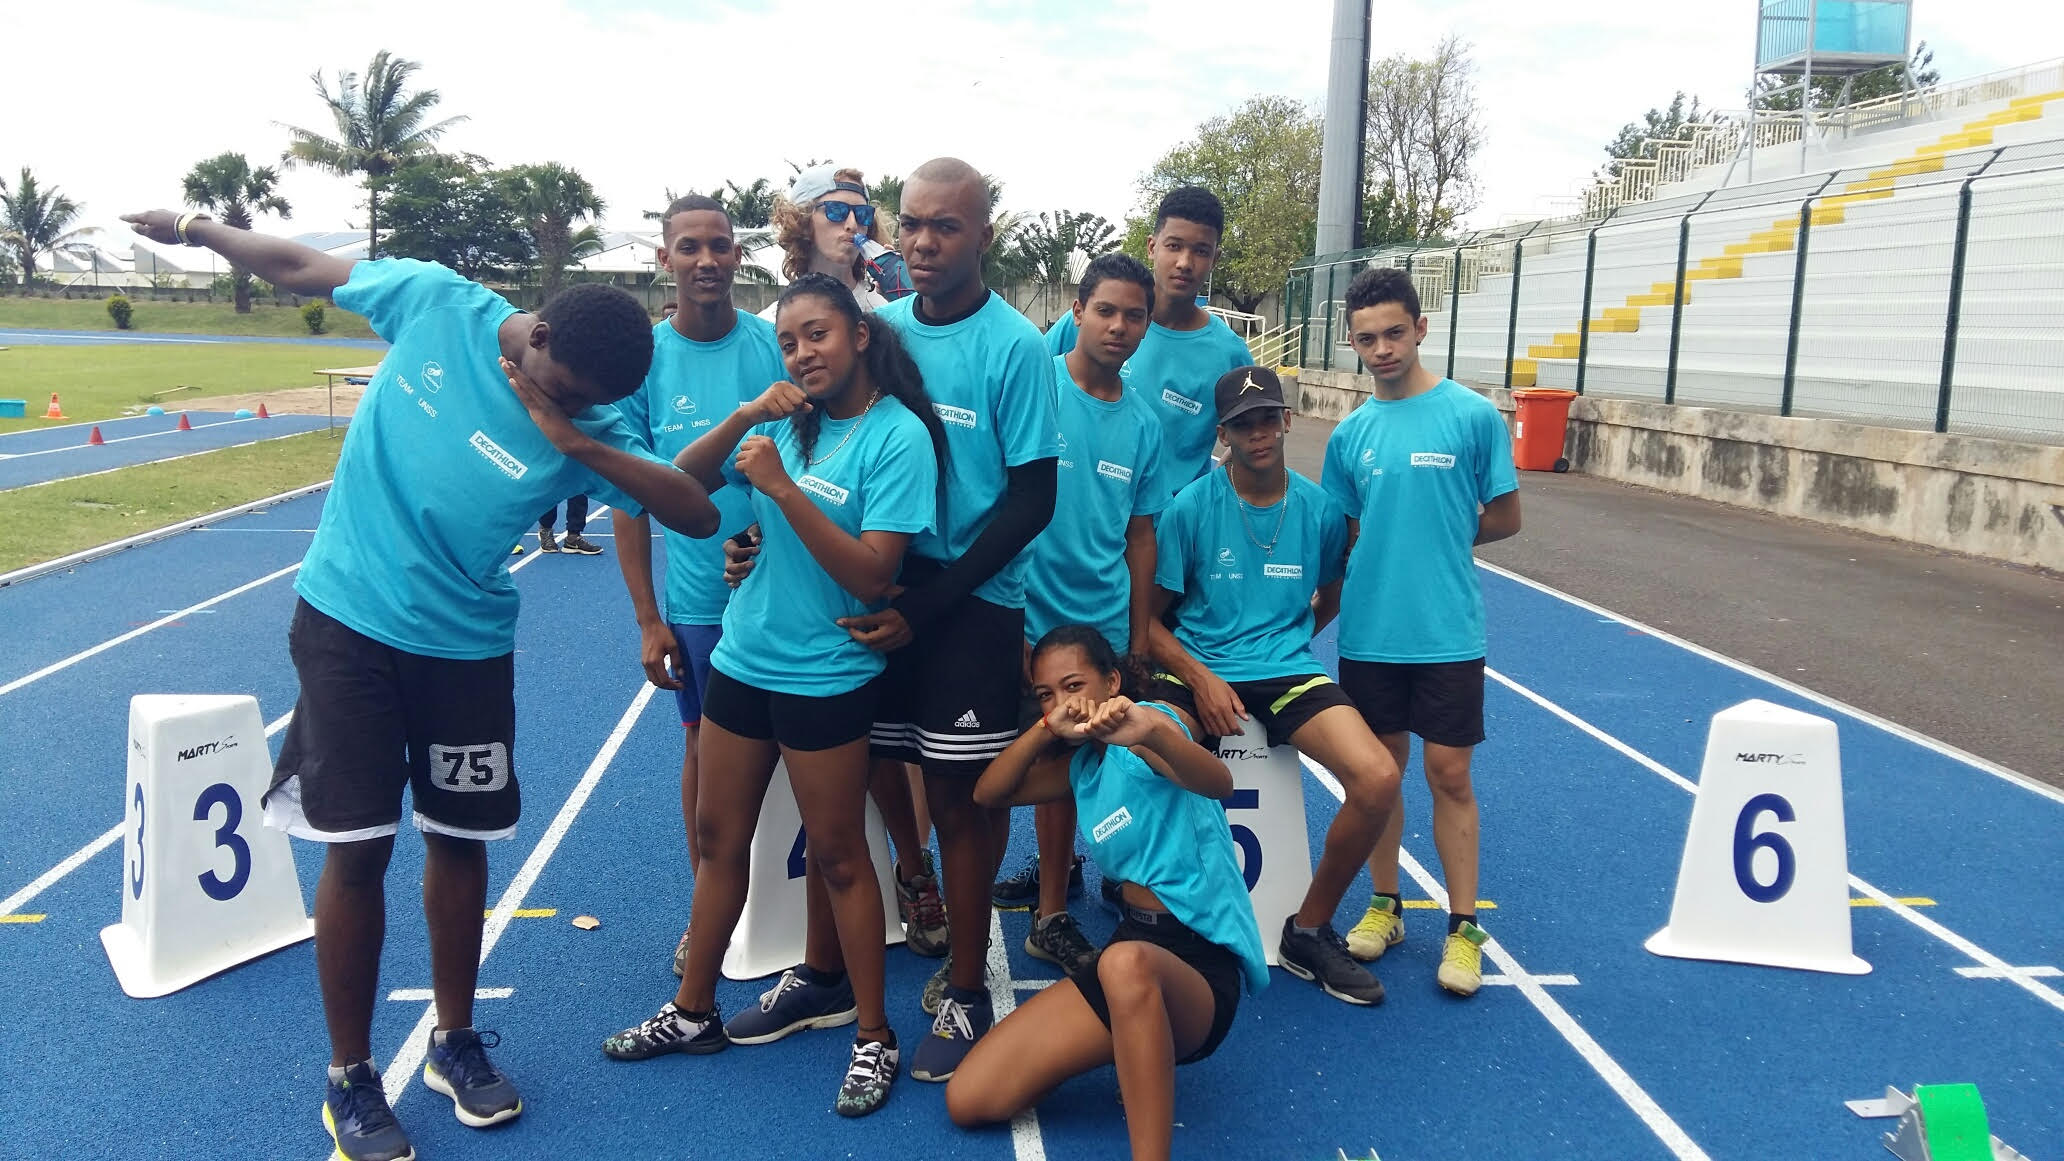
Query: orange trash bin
1537	428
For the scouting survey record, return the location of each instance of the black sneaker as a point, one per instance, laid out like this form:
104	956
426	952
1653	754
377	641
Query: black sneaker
546	541
356	1114
868	1077
1020	892
575	542
459	1068
1322	958
669	1031
1058	940
954	1031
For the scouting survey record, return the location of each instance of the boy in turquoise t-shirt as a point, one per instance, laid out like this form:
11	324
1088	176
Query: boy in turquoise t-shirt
1424	469
1186	348
1094	564
1256	553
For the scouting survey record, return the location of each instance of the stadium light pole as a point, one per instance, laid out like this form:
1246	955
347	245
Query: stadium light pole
1344	146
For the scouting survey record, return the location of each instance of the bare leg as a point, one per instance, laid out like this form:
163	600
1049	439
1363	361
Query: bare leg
1161	1010
350	924
1454	823
1383	861
1052	1036
890	788
1339	740
689	775
968	851
454	894
919	810
831	791
726	813
1053	823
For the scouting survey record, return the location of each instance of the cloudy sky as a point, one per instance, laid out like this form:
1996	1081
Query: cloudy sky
1067	101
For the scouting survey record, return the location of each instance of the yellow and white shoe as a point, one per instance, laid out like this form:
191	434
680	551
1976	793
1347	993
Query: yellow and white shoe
1461	966
1381	928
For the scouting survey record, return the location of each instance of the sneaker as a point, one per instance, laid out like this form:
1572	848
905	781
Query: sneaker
681	955
1058	940
669	1031
792	1005
1381	928
923	911
868	1077
1461	961
1322	958
546	541
935	988
356	1114
1020	892
954	1031
459	1068
575	542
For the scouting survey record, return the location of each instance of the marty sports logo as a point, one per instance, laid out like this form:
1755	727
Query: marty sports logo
433	377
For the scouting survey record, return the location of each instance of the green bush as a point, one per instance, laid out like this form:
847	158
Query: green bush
312	314
118	308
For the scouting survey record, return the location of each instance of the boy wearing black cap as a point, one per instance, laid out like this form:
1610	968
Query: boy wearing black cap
1257	554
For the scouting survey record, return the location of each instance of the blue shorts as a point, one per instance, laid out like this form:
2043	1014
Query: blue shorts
697	642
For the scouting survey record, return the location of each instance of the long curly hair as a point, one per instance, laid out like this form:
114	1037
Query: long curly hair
792	232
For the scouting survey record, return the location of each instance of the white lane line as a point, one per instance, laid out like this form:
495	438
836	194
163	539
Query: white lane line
133	634
50	451
401	1069
2043	971
425	995
2046	994
80	857
1673	1137
1026	1142
1865	716
32	571
530	554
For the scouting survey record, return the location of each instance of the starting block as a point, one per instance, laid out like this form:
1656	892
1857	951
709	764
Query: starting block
769	935
1765	874
1266	813
1939	1122
205	885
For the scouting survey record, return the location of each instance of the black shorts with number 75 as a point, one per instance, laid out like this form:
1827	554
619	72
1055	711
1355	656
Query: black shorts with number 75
372	719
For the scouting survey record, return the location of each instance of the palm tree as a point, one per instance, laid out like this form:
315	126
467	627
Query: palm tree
229	186
1050	241
379	126
34	220
550	198
1005	262
750	206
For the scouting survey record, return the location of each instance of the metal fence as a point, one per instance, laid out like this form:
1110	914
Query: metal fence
1924	293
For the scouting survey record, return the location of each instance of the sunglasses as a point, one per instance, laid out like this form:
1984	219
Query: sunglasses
835	212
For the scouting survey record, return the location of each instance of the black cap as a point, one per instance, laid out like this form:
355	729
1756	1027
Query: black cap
1244	389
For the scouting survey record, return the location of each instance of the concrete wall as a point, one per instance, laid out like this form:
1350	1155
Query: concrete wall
1989	498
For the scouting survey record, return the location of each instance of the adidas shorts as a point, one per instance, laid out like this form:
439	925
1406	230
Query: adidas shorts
950	698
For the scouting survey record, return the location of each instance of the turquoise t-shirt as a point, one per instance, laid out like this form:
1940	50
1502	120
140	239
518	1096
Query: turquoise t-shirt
1246	613
778	630
990	383
692	387
1142	828
1415	473
1176	371
442	471
1110	471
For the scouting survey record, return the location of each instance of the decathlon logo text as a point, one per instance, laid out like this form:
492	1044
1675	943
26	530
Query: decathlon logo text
1432	460
824	489
510	465
1180	402
1118	820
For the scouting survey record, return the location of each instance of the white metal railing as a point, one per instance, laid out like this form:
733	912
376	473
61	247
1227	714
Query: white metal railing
1277	346
1244	325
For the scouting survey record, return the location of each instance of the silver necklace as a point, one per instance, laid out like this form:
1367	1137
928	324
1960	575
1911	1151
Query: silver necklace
819	461
1240	502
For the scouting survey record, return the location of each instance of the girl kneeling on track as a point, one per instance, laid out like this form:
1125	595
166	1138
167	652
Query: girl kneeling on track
843	469
1163	991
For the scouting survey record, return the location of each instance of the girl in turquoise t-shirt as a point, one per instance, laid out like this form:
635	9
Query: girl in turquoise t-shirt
842	463
1164	989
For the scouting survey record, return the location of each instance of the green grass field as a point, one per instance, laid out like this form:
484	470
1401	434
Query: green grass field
185	318
75	514
102	382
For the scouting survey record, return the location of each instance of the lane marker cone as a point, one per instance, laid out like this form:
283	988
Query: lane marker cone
94	440
55	411
184	423
262	413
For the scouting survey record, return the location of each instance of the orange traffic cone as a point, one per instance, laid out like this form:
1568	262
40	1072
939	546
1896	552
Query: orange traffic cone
94	440
55	411
184	423
262	413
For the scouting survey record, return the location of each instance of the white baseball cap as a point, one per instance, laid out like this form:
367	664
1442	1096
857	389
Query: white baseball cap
818	180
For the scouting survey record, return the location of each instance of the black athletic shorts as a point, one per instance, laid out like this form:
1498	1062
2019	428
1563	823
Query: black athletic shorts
792	720
372	719
1441	701
949	699
1219	967
1281	704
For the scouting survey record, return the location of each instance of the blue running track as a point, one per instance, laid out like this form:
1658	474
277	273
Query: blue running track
41	455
